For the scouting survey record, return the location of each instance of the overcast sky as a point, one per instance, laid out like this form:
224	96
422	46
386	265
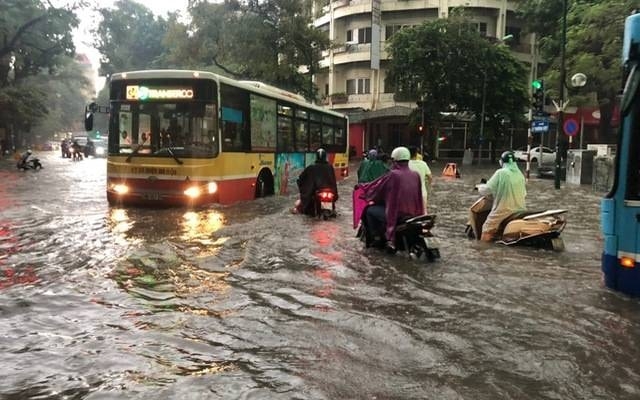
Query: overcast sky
89	20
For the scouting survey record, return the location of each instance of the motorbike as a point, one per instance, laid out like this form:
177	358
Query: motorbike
76	154
413	235
29	163
540	229
325	204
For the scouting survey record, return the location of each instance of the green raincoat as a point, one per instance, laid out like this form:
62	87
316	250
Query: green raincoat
508	188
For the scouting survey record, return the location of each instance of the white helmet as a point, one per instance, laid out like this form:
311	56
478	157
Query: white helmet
401	154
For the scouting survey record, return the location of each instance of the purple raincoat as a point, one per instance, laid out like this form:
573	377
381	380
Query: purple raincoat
400	191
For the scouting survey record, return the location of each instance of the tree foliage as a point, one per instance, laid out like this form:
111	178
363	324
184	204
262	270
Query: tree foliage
129	37
35	39
593	47
449	66
253	40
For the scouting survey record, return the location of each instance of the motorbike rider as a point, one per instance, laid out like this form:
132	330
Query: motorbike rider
421	167
314	177
508	189
394	196
24	158
371	167
76	150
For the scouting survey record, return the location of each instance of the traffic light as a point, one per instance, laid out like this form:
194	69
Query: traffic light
420	129
538	96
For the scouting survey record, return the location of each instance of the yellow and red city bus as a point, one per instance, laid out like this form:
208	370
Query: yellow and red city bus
191	137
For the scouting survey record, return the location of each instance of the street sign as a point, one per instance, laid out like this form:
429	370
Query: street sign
540	126
571	127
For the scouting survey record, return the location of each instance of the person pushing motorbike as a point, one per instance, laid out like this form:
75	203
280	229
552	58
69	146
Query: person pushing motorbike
508	189
314	177
397	195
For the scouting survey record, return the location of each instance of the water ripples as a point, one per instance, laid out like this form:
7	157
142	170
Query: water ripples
249	301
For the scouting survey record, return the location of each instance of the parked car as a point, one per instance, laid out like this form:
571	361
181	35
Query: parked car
548	155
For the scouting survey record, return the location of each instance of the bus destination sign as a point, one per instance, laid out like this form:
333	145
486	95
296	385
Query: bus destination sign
136	92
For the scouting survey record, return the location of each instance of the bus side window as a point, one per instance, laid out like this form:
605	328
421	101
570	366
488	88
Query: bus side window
235	112
315	132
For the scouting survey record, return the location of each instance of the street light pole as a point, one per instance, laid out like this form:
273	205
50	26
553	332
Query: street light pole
484	98
560	127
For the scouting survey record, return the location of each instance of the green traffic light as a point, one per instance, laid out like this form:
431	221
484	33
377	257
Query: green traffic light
537	84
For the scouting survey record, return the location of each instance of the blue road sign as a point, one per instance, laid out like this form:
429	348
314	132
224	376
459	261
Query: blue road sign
571	127
540	126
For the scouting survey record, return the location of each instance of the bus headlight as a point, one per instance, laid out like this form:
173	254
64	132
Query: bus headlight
121	188
212	187
193	192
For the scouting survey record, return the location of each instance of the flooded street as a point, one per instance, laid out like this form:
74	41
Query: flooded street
251	302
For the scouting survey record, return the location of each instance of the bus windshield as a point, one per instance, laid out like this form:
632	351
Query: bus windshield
164	129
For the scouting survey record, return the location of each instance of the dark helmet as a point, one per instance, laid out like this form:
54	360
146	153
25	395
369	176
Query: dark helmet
321	155
507	156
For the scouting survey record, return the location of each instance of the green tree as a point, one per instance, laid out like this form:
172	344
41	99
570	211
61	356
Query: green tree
265	41
129	37
34	38
448	66
594	42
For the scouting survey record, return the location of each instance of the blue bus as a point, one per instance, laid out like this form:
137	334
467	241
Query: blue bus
620	208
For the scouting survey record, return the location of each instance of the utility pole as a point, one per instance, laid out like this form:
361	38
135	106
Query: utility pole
484	99
562	83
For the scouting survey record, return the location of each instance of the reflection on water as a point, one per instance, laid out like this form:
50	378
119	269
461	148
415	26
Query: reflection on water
201	225
119	220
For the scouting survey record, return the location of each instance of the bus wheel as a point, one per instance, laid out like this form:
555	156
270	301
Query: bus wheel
264	184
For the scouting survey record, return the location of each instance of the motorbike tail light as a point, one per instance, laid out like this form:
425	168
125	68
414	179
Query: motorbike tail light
627	262
326	196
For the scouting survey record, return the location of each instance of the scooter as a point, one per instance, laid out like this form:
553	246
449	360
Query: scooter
29	162
325	204
413	235
540	229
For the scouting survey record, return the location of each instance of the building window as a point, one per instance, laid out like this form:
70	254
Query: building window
364	35
391	30
389	85
359	86
351	86
349	35
481	27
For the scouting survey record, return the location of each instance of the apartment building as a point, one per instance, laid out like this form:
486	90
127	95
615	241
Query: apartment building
352	77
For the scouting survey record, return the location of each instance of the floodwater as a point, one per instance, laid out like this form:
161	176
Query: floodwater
251	302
